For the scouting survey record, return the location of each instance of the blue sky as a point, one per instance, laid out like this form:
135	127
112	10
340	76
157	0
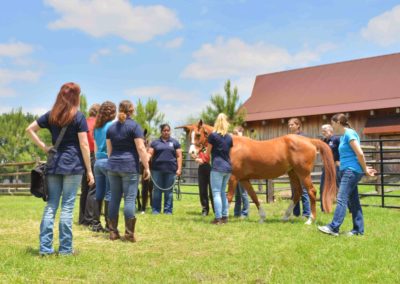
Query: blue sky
179	52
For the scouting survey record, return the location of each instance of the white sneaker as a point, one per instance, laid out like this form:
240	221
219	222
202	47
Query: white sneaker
142	212
327	230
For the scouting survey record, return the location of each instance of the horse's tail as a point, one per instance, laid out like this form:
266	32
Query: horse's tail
329	194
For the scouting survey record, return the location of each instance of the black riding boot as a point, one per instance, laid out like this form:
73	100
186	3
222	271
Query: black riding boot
107	226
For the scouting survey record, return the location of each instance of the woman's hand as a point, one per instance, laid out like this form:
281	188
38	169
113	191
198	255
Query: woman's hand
146	174
90	179
199	161
370	171
178	172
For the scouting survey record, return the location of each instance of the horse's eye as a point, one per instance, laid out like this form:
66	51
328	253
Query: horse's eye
198	135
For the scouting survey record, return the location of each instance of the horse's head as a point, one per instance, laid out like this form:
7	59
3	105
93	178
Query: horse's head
198	135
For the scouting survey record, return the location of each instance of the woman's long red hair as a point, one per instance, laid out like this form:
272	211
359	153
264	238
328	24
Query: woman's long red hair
66	105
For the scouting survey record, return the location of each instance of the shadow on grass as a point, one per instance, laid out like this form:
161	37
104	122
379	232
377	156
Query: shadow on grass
32	251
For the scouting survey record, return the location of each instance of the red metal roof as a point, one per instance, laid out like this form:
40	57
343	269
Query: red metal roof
362	84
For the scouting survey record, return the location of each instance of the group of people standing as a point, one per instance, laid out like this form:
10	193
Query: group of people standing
350	168
106	152
114	150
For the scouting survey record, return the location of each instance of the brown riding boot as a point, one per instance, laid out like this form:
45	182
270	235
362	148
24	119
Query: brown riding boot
130	230
224	219
113	226
107	226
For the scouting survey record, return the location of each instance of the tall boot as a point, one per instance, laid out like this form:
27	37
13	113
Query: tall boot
96	224
113	226
130	229
107	226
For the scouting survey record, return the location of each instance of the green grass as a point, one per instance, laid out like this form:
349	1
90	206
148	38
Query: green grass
185	248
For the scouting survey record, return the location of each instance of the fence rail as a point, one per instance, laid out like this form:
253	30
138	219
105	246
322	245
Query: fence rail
380	153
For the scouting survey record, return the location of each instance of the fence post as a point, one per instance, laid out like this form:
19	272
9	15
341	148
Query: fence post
270	191
382	173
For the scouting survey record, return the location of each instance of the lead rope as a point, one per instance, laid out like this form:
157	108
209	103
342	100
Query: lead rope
163	189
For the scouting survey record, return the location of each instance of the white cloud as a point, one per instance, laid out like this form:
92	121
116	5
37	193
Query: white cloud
165	93
100	18
125	48
384	29
15	49
176	104
15	57
236	58
8	76
175	43
6	92
94	58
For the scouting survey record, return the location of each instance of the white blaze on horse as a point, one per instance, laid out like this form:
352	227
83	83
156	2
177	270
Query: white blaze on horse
290	154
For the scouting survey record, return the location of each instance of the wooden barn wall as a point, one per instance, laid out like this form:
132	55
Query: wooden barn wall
269	129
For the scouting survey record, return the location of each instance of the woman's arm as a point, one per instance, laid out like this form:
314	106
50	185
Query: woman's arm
95	147
361	159
109	147
150	152
84	145
209	148
179	160
139	143
32	130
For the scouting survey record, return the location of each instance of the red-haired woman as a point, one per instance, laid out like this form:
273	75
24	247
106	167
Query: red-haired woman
70	161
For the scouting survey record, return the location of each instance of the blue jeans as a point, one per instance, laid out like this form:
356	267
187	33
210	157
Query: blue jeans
67	187
102	182
162	180
126	184
241	196
348	195
322	184
305	200
219	181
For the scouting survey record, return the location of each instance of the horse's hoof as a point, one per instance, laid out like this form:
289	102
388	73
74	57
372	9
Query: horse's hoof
285	219
308	222
260	221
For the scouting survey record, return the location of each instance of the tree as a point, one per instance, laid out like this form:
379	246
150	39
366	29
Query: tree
149	116
140	115
83	105
228	104
15	144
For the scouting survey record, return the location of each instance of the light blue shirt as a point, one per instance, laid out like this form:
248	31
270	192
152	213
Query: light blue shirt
348	158
100	139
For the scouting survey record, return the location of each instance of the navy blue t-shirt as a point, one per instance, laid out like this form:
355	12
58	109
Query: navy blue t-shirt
333	143
164	157
68	160
124	155
220	160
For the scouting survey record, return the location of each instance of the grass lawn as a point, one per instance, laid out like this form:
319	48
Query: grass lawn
186	248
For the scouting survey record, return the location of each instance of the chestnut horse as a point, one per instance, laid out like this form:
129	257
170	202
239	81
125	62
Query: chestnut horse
290	154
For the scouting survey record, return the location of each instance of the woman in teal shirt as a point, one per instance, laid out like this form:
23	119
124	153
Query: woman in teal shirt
352	168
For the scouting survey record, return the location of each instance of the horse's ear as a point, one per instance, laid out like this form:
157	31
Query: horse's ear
145	132
200	124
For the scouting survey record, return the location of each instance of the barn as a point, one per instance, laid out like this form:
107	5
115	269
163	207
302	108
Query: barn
367	90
